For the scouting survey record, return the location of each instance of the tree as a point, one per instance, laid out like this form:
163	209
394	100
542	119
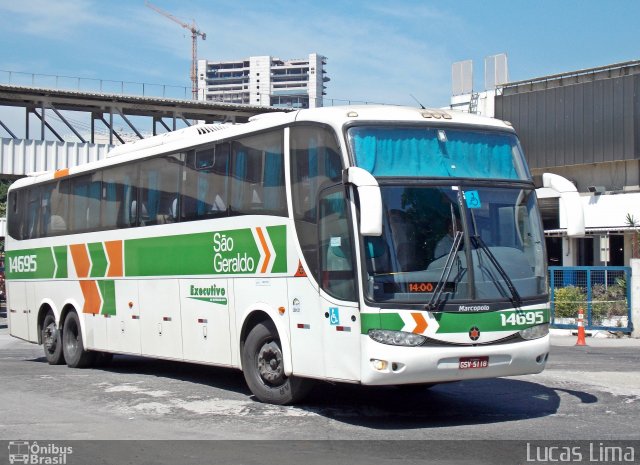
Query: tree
4	187
635	238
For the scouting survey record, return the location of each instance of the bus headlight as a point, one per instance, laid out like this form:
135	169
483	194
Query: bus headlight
535	332
396	338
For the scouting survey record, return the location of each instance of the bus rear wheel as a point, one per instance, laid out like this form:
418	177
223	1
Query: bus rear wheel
72	346
263	368
51	340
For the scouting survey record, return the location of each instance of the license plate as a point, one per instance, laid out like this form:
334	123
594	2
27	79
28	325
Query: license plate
467	363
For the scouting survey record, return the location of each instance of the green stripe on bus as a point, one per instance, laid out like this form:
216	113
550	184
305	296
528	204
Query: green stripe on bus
60	254
278	236
108	291
390	321
30	263
98	259
461	322
188	254
222	252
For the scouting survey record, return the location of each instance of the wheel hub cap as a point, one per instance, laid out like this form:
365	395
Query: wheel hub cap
270	364
50	337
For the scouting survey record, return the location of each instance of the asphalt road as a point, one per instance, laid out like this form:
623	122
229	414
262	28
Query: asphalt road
585	393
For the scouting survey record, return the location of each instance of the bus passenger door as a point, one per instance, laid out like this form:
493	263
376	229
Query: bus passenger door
17	310
123	328
338	297
205	320
306	326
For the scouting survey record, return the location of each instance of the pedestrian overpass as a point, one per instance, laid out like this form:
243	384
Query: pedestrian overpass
49	135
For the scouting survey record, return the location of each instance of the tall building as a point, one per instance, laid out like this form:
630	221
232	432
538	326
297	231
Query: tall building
264	80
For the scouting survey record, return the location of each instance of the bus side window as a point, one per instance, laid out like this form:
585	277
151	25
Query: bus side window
86	193
119	192
159	187
204	183
15	210
59	220
33	213
49	192
257	182
336	258
315	164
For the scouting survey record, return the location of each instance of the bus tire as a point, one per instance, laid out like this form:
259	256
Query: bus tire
74	352
263	368
52	340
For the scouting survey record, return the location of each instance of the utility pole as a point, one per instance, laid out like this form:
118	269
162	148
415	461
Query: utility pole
195	32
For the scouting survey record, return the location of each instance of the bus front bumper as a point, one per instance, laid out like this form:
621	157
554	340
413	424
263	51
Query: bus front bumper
384	364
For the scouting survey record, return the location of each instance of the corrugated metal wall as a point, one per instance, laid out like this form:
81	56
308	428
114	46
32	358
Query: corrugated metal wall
587	122
21	156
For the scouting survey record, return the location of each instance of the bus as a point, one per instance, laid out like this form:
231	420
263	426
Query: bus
375	245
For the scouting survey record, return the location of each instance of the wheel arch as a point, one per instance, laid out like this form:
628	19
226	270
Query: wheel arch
264	313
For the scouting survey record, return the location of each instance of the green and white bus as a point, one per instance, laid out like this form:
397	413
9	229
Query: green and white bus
376	245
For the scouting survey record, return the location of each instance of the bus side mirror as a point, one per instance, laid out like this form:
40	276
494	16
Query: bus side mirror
570	204
370	199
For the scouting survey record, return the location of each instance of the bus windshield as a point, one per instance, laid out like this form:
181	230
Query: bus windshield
437	152
499	233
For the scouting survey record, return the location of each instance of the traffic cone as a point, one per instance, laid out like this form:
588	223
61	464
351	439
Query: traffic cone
581	336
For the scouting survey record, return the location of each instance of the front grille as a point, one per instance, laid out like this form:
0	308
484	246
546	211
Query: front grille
506	340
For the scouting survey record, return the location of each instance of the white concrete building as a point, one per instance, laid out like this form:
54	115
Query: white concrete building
264	80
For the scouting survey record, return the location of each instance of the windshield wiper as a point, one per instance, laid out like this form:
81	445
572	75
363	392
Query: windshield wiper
480	245
446	271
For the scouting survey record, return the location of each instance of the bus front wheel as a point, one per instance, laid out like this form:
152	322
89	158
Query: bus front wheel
263	368
51	340
72	346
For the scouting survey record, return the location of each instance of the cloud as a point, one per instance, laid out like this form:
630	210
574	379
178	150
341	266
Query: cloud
375	52
370	58
57	19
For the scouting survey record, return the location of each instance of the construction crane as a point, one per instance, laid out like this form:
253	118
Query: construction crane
195	32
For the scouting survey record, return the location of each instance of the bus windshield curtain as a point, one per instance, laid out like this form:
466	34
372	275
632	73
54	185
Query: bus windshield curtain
419	152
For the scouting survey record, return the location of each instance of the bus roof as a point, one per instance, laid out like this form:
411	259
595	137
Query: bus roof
335	117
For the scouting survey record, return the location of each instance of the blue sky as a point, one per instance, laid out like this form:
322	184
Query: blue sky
378	51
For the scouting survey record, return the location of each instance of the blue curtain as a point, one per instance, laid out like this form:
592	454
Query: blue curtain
79	207
418	152
111	206
153	196
203	188
240	169
274	179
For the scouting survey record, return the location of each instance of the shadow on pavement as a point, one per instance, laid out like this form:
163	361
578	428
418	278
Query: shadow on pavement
462	403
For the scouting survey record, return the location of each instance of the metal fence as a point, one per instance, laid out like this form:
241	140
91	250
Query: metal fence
145	89
84	84
603	292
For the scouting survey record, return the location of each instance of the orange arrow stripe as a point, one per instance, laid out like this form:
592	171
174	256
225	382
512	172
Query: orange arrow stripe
421	323
92	299
267	257
80	259
114	252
